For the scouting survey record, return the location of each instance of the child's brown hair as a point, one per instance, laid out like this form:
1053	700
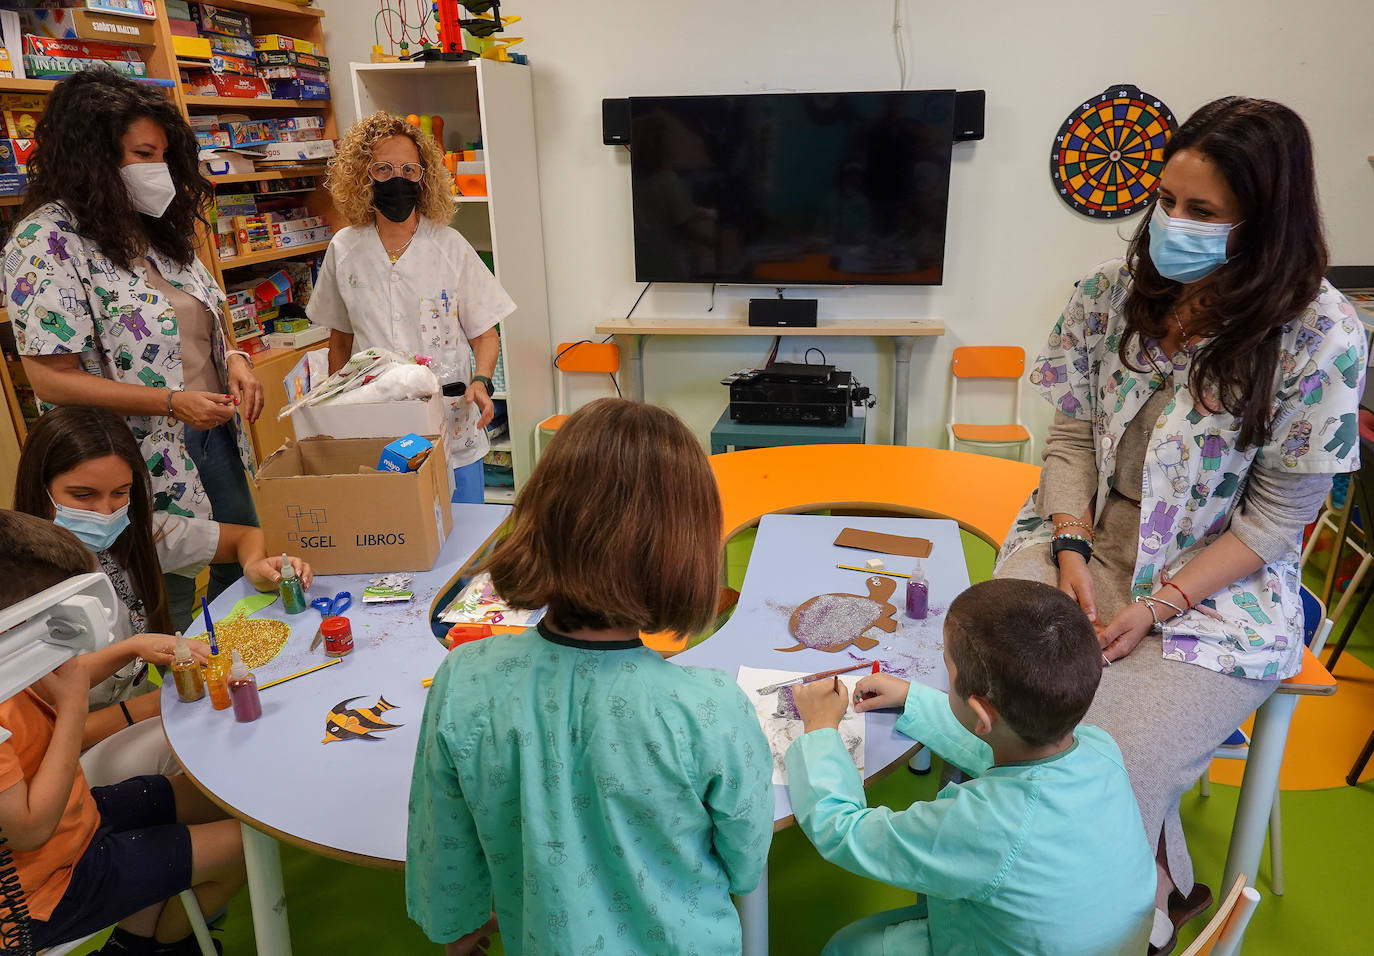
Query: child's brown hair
618	527
1030	651
35	555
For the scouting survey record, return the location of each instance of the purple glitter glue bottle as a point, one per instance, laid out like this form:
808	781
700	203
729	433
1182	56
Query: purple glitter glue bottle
917	594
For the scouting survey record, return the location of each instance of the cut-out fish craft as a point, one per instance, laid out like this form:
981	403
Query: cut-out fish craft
832	622
345	723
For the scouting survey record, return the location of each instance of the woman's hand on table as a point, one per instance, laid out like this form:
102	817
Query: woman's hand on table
476	393
1121	635
244	388
877	691
1076	581
203	410
265	573
821	703
160	649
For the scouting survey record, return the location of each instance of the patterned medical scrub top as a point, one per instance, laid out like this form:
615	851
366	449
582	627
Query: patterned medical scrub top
1195	474
66	297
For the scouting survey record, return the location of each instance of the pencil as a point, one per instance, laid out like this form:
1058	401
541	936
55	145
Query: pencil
890	574
427	681
308	670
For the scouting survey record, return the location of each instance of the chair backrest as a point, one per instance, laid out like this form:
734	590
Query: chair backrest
599	357
1223	933
1315	624
986	361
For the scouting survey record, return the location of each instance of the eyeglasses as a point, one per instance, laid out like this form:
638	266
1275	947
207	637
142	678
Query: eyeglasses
381	172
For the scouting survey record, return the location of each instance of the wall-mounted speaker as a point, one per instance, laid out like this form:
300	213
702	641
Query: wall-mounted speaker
615	122
968	114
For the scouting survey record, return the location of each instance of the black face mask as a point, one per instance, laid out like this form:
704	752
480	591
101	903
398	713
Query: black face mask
396	198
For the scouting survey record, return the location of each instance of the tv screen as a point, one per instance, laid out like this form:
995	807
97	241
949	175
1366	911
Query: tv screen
792	188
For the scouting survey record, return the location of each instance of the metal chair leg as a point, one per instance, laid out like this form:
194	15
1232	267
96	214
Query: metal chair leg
1204	784
1354	776
1350	626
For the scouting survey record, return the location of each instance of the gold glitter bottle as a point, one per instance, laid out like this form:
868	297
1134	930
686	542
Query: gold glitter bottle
186	672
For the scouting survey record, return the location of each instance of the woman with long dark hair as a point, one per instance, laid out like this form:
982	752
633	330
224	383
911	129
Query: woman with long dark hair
112	308
1206	388
82	470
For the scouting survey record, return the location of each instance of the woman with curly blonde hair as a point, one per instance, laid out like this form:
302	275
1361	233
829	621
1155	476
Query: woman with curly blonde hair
399	278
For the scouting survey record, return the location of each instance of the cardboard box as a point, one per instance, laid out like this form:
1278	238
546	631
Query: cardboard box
231	46
250	133
12	184
275	41
22	112
76	24
37	66
405	454
231	23
210	83
238	65
298	90
311	61
374	420
308	496
305	237
224	162
310	336
297	152
14	155
86	49
191	48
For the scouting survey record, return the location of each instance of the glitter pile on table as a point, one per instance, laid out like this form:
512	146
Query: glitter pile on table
258	640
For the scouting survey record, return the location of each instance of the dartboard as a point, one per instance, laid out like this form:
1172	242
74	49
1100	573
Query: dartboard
1108	154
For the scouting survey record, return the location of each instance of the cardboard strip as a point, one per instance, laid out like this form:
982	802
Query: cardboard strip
883	543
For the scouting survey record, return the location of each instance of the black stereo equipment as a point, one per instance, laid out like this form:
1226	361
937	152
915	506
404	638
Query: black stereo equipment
792	395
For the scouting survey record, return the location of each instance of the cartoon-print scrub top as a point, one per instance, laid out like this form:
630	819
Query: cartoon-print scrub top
66	297
1195	476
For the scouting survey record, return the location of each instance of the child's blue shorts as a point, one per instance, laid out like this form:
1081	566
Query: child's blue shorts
139	856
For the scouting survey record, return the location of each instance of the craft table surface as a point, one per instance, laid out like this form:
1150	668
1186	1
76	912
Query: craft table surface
794	558
346	799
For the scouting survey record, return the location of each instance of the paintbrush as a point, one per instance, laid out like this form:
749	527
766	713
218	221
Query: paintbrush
774	688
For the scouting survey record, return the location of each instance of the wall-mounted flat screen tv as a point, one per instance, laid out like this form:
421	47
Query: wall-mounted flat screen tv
792	188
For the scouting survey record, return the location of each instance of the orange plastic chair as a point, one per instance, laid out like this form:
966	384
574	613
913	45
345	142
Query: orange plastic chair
1005	362
600	358
1223	934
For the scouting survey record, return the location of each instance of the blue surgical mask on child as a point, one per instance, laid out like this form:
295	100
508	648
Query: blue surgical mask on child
96	531
1186	250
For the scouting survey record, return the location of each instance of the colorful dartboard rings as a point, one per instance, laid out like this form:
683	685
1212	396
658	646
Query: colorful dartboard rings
1108	154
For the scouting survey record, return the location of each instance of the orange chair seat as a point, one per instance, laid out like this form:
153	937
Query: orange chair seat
553	423
990	433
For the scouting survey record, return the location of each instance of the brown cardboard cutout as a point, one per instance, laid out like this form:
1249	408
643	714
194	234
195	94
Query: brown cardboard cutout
832	622
883	543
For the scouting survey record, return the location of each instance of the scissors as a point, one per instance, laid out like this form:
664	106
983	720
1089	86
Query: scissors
329	607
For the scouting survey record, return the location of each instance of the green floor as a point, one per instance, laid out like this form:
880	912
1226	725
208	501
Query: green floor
1328	841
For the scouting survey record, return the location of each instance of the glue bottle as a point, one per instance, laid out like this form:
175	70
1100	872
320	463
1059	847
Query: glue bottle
292	594
217	678
917	594
186	673
243	687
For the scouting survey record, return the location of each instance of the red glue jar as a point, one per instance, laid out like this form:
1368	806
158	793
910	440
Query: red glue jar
243	691
338	636
917	594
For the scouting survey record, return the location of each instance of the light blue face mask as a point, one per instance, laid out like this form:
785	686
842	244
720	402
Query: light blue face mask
96	531
1186	250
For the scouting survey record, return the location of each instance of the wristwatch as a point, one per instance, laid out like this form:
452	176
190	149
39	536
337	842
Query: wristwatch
485	382
1076	545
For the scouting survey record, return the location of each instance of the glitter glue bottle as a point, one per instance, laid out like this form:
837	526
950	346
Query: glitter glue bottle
292	594
917	594
186	672
243	687
217	679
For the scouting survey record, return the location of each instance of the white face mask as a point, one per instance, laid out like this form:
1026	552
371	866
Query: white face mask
150	187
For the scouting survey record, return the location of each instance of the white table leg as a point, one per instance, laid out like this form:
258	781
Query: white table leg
1258	786
902	346
265	891
632	347
753	918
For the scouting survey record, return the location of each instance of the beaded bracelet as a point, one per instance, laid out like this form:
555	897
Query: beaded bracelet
1072	537
1074	523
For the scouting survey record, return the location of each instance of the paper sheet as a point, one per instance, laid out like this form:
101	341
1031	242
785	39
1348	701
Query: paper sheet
781	731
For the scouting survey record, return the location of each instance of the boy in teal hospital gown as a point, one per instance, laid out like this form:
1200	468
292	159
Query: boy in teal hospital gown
1043	850
609	800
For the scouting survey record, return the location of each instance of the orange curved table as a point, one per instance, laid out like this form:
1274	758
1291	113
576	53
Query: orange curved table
982	493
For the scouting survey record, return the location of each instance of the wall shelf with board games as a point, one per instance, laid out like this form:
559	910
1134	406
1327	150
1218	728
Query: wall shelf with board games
173	47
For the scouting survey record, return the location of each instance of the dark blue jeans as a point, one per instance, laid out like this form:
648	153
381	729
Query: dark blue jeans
226	485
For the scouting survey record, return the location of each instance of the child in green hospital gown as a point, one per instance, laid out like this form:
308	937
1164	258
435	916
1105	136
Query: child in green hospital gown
609	800
1043	850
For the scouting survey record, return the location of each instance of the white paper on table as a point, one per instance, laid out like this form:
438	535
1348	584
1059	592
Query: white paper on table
781	731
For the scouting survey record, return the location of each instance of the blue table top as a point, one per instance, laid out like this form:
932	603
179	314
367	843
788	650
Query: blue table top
794	558
346	798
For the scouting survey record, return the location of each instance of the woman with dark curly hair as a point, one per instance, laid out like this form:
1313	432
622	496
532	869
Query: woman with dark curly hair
112	308
1206	388
399	278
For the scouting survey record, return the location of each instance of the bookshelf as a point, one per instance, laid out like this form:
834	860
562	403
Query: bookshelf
269	16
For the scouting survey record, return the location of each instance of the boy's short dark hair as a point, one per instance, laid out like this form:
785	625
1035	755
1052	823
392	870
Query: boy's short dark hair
35	555
1030	650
